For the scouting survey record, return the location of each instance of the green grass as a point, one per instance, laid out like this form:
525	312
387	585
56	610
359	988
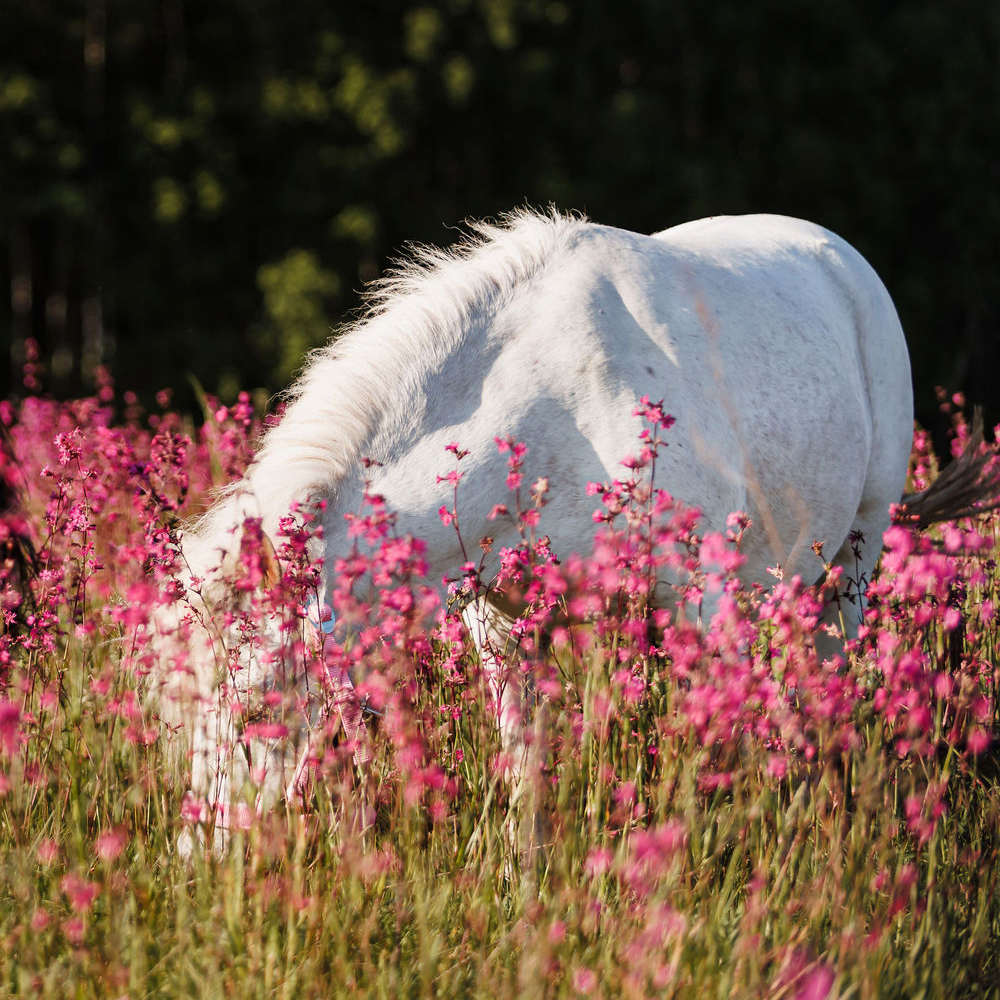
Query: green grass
770	882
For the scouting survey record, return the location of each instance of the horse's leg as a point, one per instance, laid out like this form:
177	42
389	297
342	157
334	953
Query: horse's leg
508	690
236	777
857	558
490	628
845	611
217	768
886	369
315	720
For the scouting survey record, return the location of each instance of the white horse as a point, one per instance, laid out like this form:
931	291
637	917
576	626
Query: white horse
772	342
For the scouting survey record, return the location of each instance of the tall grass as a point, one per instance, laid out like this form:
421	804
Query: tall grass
723	814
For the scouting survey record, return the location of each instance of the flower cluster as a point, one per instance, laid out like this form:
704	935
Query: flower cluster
656	684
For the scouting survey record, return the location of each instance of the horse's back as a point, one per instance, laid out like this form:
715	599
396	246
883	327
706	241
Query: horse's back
771	341
738	234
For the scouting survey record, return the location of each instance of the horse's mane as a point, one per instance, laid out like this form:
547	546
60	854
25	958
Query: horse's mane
419	311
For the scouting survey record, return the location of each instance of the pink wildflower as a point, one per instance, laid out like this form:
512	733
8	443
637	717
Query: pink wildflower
584	981
80	893
817	984
74	929
110	843
598	862
47	851
977	741
264	731
10	730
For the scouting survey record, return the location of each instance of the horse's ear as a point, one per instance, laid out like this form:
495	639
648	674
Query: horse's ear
269	563
255	541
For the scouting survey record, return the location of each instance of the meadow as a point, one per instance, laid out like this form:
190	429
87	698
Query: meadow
724	813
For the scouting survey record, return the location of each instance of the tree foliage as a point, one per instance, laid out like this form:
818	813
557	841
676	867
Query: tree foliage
203	188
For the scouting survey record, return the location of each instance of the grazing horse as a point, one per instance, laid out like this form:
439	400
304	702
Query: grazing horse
771	341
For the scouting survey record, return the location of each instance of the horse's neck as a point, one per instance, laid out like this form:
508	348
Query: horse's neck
365	396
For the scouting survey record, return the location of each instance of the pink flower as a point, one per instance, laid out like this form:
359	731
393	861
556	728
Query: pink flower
47	851
978	741
74	929
777	766
264	731
79	891
194	810
598	862
10	729
584	981
110	843
817	984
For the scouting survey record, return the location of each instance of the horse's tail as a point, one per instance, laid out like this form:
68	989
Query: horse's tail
968	485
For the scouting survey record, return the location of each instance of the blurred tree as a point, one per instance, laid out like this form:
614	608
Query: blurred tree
295	290
189	187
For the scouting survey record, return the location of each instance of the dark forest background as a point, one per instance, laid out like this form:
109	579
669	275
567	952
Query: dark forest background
201	187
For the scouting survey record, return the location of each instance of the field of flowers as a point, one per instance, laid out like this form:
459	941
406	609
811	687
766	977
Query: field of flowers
723	814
